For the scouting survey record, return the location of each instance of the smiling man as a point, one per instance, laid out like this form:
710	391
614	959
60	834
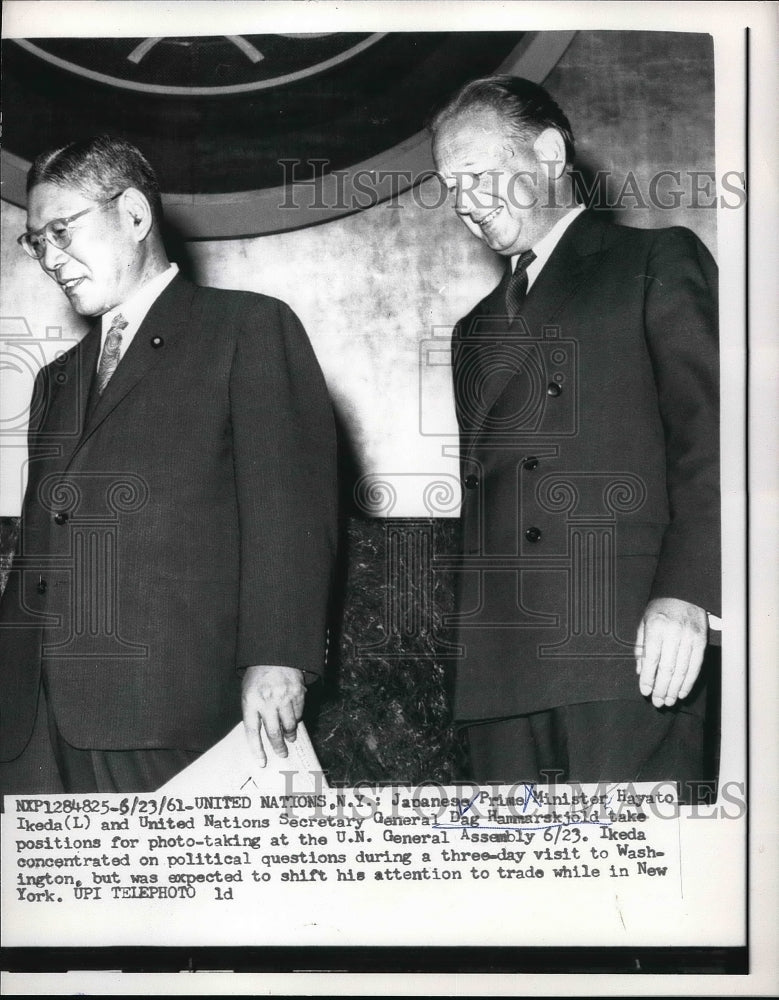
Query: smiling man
586	386
178	530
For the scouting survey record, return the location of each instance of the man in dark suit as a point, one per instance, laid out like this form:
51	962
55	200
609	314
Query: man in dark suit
586	386
178	529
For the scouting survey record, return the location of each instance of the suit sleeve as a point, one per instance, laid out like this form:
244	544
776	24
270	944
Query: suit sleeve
682	336
38	410
284	452
39	405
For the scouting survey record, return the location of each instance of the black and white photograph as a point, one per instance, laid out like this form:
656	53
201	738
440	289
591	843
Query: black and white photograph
387	527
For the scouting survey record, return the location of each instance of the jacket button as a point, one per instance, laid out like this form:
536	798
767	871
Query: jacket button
61	517
533	535
41	588
530	464
157	341
553	389
471	482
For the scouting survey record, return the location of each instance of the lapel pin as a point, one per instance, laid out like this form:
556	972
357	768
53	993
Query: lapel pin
157	341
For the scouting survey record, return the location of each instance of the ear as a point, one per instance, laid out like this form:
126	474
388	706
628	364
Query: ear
137	213
549	147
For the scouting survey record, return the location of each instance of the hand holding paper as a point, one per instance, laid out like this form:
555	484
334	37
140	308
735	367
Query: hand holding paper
273	697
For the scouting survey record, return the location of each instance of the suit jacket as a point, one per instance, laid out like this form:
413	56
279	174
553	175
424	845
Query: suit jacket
590	461
178	530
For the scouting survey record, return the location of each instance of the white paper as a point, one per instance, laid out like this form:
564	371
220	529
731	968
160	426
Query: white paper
229	767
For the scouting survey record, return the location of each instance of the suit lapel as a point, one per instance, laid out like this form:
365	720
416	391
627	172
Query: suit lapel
164	323
573	261
90	352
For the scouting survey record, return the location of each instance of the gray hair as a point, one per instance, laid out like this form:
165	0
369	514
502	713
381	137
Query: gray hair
525	106
98	167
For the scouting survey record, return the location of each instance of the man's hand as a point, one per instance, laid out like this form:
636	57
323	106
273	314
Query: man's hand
670	643
273	697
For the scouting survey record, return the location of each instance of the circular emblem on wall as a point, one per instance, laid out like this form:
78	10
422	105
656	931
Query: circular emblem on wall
231	122
201	67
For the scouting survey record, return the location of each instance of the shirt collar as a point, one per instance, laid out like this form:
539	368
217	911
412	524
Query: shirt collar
140	302
546	245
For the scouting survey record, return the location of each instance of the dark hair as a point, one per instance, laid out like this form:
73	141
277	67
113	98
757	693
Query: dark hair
98	167
525	106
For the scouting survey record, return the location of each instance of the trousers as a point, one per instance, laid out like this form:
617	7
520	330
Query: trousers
605	741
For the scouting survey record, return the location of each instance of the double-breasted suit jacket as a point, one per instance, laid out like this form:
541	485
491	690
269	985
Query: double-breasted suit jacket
590	464
178	530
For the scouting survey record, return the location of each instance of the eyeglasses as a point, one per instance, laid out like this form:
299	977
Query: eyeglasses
57	232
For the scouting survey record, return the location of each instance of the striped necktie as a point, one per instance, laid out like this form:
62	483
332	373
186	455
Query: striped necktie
112	347
517	288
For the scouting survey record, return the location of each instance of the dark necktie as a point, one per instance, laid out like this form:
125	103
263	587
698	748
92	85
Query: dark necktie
112	347
517	288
